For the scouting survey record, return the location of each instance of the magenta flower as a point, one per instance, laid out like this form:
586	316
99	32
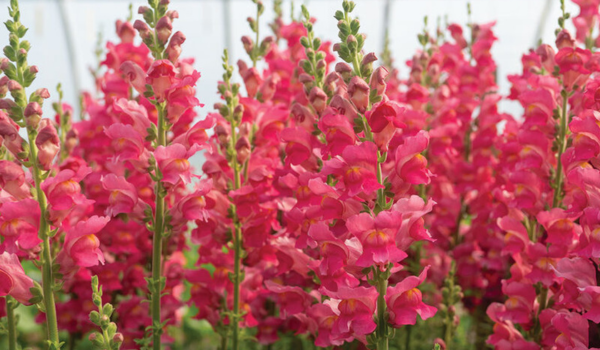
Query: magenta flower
338	131
19	224
123	195
378	238
13	280
405	301
82	247
161	76
13	181
356	309
357	168
411	166
174	164
291	300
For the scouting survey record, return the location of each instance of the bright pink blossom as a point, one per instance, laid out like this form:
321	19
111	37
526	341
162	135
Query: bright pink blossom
405	301
13	280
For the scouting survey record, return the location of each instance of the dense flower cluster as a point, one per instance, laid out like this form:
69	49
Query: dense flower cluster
336	204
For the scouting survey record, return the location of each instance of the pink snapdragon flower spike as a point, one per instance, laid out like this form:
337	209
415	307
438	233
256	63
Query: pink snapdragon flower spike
13	280
82	247
405	301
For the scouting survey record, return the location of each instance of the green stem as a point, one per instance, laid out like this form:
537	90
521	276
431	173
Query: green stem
237	243
408	336
382	339
224	341
157	242
43	234
562	145
11	304
256	47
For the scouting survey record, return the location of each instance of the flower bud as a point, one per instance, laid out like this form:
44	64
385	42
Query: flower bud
33	114
125	31
143	29
3	86
13	85
174	48
163	29
301	113
243	149
378	80
118	338
172	14
248	44
238	112
4	64
222	134
344	69
440	342
318	99
564	39
48	143
359	93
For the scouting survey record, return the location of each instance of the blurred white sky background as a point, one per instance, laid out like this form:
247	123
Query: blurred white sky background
53	23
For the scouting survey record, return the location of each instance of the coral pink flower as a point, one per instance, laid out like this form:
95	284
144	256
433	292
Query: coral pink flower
134	75
62	189
571	62
516	238
123	195
356	309
505	335
520	303
9	131
559	226
12	180
326	316
384	118
405	301
181	97
338	131
82	247
194	206
128	144
291	300
411	211
174	164
132	113
196	135
161	76
298	146
47	142
13	280
357	167
573	331
19	223
378	238
411	166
